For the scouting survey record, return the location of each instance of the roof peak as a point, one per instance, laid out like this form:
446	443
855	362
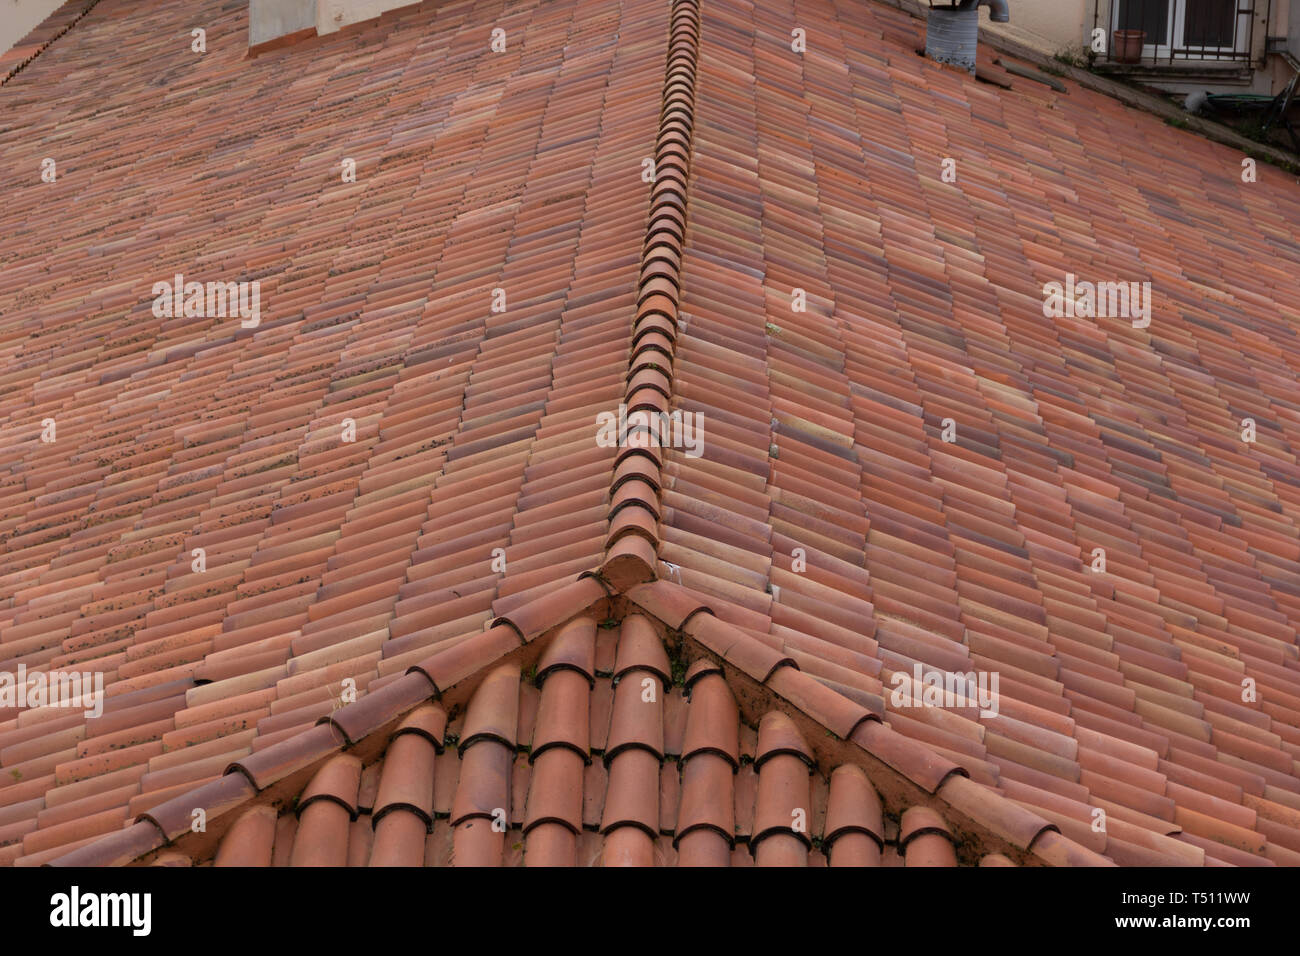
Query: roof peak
793	713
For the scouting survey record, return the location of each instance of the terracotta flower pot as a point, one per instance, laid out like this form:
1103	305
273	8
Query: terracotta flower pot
1128	45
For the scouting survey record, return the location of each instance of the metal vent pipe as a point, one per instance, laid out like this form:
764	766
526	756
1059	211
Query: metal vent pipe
951	36
952	33
999	12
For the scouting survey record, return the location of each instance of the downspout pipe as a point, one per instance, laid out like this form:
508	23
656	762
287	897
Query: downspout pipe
999	12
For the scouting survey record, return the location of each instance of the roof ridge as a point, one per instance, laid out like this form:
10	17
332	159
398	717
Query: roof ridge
632	542
280	770
929	777
907	773
916	775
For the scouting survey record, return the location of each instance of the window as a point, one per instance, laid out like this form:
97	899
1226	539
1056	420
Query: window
1209	23
1149	16
1187	29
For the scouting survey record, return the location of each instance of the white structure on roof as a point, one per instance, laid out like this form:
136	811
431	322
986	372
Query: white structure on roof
19	17
272	19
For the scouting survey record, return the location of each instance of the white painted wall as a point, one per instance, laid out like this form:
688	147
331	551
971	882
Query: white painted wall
270	19
333	15
1068	23
1060	22
18	17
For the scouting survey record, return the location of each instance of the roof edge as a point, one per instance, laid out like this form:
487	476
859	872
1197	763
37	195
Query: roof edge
905	772
276	774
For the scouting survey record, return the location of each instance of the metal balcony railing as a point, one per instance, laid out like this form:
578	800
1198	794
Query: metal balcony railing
1160	32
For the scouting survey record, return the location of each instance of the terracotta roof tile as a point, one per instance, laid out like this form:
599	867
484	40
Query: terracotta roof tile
692	810
642	655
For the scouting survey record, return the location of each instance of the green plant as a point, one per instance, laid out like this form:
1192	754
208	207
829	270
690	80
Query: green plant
1081	57
679	667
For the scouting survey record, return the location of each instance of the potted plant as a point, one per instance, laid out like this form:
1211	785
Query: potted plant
1128	45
